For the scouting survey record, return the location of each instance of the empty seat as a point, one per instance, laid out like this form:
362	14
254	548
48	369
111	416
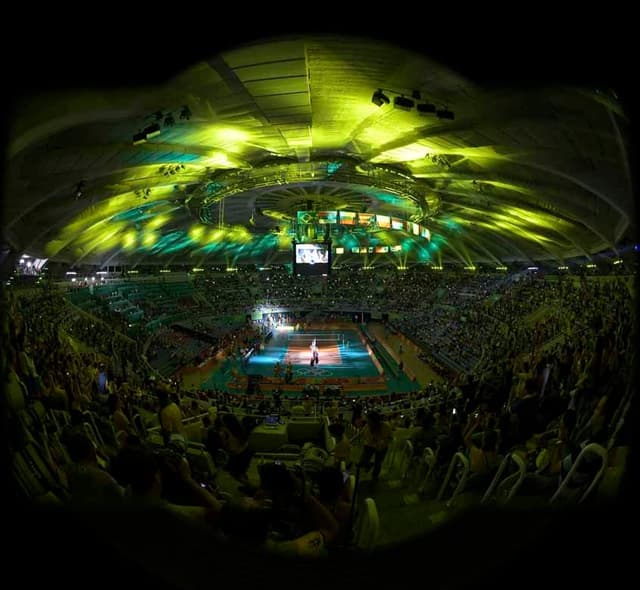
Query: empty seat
367	527
427	463
588	452
463	462
505	489
201	463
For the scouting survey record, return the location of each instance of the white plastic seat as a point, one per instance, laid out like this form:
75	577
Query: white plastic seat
458	458
406	458
367	526
590	449
428	462
515	479
201	462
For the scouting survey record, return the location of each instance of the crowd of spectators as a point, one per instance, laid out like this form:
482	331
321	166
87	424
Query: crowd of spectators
545	366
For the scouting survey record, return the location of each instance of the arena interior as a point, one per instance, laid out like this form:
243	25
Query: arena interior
324	299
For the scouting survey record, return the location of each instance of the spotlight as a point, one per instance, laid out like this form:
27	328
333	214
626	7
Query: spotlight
403	103
379	98
445	114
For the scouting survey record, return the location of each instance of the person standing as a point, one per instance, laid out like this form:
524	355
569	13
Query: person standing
170	416
288	377
376	436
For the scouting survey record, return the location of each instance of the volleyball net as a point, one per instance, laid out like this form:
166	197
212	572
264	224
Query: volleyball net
322	339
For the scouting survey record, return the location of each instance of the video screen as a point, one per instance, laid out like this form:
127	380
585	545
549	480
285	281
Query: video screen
312	259
383	221
347	217
365	218
325	217
305	217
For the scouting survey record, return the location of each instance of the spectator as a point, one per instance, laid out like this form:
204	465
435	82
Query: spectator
234	440
170	415
88	482
119	419
342	450
376	436
144	473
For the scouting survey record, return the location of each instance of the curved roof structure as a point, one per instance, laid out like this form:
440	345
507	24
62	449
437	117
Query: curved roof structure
214	164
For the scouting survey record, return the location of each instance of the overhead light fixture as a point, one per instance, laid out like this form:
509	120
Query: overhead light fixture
79	189
379	98
426	108
185	113
445	114
403	103
152	131
139	138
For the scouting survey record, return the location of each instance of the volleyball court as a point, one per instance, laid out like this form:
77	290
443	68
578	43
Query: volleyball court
299	350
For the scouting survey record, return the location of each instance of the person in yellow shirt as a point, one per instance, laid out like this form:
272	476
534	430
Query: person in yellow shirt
483	460
376	436
342	450
121	424
170	415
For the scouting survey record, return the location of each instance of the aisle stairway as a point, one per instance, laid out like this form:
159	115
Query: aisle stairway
423	371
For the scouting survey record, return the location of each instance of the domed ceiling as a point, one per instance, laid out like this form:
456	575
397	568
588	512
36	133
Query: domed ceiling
397	157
